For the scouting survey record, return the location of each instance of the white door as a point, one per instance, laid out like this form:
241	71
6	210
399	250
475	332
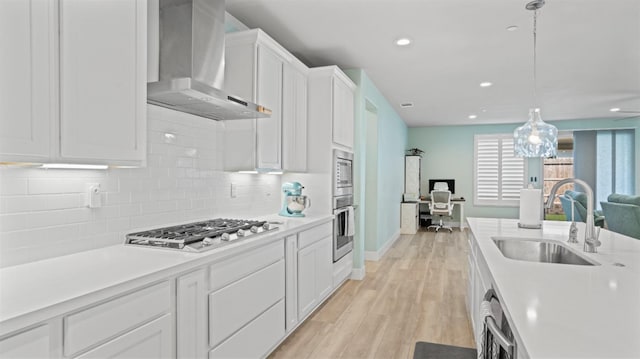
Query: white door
343	113
191	312
103	79
307	274
294	119
324	261
27	68
269	94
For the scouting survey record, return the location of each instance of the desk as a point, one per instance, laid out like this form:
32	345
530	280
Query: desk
455	201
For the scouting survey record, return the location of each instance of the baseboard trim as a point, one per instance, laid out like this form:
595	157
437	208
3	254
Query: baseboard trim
358	274
375	256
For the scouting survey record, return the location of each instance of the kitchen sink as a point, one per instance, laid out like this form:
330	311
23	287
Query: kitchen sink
542	251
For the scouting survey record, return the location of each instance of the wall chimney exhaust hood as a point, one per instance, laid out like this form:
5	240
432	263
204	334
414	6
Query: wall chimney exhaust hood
191	63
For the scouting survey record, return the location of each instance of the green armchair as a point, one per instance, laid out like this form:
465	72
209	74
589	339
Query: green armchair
622	214
580	210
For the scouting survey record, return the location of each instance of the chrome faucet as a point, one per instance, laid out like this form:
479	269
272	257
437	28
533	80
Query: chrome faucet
591	242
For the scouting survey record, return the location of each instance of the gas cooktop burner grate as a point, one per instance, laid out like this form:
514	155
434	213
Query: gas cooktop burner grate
199	236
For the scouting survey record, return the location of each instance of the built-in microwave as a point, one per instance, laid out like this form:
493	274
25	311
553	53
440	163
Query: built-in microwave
342	173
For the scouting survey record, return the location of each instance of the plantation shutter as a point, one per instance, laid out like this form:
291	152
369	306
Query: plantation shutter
499	175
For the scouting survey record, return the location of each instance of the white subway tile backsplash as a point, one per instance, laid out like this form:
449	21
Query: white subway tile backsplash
43	212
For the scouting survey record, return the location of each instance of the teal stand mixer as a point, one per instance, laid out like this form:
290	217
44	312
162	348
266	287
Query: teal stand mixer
294	202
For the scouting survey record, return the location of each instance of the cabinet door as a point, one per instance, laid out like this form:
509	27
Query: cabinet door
291	282
103	80
412	174
343	112
315	275
191	311
324	274
409	218
307	273
34	343
152	340
27	71
269	94
294	119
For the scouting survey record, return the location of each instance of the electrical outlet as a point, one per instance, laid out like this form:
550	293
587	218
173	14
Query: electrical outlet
234	190
94	196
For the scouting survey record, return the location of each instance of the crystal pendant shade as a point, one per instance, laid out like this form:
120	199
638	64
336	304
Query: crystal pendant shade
535	138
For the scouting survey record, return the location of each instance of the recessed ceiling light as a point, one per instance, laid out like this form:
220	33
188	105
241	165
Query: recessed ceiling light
512	28
615	109
406	104
485	84
404	41
472	117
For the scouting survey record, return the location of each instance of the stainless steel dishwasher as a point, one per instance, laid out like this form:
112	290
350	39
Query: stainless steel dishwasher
497	340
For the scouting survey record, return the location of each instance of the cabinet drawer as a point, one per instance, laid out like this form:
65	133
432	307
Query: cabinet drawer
234	306
152	340
229	271
33	343
314	234
115	317
257	338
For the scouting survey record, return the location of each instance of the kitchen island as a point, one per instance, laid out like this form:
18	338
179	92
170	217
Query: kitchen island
560	310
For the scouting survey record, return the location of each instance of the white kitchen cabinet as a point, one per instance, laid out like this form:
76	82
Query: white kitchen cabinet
291	282
103	80
294	117
331	109
412	174
33	343
191	304
151	340
259	69
409	218
315	275
81	92
27	70
101	323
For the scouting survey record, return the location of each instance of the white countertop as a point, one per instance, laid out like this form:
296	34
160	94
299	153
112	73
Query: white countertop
567	311
40	290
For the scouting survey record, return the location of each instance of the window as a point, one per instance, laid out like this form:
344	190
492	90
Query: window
498	174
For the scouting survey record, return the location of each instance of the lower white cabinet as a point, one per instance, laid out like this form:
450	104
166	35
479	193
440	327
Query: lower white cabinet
191	330
152	340
291	282
315	275
117	318
33	343
409	221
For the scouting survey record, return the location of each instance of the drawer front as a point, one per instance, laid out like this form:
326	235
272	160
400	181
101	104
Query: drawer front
232	307
256	339
34	343
231	270
305	238
115	317
152	340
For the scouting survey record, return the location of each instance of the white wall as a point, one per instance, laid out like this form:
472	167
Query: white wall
43	212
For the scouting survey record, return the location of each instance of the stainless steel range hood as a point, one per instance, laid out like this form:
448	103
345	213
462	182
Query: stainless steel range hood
192	63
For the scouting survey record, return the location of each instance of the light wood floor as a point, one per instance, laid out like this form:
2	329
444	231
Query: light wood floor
416	292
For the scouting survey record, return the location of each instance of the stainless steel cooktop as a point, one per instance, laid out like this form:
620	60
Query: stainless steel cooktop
200	236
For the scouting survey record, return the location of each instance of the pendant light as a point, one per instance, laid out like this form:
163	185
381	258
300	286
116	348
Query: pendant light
535	138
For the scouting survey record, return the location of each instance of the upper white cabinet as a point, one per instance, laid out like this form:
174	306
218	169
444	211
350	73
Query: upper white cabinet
259	69
81	91
294	117
103	79
331	108
27	70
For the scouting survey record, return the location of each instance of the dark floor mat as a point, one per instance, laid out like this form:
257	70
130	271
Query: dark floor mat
426	350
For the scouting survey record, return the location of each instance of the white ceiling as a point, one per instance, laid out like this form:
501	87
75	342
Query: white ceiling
588	53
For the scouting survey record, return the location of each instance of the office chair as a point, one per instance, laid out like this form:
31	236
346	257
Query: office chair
440	205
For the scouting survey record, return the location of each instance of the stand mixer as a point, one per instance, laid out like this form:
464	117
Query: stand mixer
294	202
